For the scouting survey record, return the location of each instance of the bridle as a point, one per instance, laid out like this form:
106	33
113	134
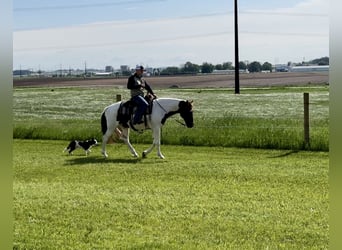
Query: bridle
168	114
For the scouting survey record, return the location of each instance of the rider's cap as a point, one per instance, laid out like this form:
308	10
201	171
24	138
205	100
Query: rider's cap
139	67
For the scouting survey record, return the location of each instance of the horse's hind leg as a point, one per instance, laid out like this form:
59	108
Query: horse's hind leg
105	138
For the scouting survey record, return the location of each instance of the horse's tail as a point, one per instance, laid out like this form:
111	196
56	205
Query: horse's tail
103	123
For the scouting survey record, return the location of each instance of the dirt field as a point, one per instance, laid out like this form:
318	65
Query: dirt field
198	81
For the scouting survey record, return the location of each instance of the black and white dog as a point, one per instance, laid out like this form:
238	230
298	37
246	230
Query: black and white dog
86	145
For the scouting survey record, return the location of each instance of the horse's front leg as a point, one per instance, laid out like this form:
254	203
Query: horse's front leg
125	137
156	142
147	151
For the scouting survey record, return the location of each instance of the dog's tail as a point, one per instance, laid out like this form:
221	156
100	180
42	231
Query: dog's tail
103	123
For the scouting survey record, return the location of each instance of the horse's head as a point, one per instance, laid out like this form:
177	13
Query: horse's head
185	110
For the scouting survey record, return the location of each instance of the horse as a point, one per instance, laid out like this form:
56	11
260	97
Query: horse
162	108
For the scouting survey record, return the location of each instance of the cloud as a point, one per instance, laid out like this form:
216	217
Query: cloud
313	6
288	36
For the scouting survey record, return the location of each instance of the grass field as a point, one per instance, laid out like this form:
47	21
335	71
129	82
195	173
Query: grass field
197	198
257	118
214	190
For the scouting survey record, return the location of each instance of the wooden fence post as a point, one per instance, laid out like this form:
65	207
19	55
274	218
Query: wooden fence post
118	98
306	121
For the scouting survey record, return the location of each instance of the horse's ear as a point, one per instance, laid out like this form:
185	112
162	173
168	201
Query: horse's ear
191	103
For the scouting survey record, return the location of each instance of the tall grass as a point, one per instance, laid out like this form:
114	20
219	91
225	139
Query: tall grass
258	118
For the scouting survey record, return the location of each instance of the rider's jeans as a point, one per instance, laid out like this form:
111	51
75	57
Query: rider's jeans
142	105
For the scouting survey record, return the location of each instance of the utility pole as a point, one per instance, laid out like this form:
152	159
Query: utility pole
306	121
85	69
237	68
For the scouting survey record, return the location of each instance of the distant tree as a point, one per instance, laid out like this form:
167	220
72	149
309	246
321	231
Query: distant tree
39	72
170	71
218	67
190	68
227	65
267	66
22	72
126	73
254	67
156	71
242	65
321	61
207	68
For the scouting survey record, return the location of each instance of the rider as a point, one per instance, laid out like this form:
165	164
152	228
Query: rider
136	83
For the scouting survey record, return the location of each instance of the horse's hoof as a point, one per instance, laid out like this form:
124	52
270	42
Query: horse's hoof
161	156
105	155
144	155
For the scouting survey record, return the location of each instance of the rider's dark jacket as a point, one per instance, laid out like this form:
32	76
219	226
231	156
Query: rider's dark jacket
136	85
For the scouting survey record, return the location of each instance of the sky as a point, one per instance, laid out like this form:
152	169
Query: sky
49	35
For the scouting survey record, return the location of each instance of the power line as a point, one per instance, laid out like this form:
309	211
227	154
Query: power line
284	33
126	42
167	39
107	4
152	20
282	13
81	6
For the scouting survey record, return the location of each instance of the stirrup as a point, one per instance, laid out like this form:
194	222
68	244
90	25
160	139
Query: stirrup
124	124
132	127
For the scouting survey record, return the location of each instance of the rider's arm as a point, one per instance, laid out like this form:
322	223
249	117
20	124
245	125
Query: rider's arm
148	88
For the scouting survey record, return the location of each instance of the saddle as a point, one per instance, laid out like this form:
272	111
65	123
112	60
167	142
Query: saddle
127	110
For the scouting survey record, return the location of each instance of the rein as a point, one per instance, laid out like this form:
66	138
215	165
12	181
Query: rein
161	106
168	114
181	123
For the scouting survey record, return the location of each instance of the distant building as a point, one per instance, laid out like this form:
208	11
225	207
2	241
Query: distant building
125	68
149	71
281	68
103	73
228	71
310	68
109	69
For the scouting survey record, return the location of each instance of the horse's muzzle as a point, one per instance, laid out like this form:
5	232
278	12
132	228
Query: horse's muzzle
190	125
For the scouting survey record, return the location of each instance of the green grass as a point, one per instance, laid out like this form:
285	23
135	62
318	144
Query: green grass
257	118
197	198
